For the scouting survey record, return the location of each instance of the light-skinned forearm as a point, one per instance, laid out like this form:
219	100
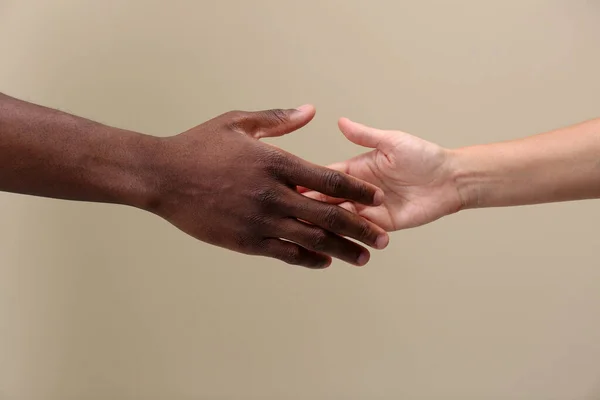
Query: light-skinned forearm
49	153
561	165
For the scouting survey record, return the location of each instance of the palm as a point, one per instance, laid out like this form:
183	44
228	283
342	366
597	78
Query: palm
412	172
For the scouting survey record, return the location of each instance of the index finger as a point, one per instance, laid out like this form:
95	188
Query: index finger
337	220
332	183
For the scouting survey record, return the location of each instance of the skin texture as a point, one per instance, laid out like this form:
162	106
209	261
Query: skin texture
423	182
217	182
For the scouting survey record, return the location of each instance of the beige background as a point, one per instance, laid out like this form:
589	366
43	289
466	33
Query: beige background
102	302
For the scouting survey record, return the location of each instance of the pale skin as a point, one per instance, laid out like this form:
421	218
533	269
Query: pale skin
423	181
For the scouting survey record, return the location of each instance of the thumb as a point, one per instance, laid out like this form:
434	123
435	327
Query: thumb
278	122
363	135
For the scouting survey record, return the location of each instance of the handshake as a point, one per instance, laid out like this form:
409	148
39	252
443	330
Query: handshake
223	186
220	184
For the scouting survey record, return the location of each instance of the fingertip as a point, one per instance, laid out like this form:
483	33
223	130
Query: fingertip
302	115
363	259
344	124
306	109
378	197
355	132
382	241
317	260
344	121
324	264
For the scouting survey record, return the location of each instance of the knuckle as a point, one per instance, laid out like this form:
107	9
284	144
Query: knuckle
293	255
256	222
266	197
243	240
260	224
364	230
274	156
363	191
332	217
274	161
263	247
251	230
276	116
319	240
334	181
240	120
233	115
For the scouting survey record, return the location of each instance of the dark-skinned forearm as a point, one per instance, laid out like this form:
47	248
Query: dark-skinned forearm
45	152
216	181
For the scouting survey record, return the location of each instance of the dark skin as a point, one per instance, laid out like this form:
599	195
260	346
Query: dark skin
217	182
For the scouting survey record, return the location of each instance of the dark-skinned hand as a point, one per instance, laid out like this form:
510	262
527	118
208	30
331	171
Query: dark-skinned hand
221	185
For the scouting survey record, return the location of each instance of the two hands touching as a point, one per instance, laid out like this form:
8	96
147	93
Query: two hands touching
216	182
220	184
403	183
231	190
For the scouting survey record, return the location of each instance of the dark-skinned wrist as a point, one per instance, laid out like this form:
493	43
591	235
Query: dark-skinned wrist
138	182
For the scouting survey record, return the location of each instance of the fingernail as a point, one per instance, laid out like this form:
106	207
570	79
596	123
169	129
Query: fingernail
363	259
382	241
378	198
